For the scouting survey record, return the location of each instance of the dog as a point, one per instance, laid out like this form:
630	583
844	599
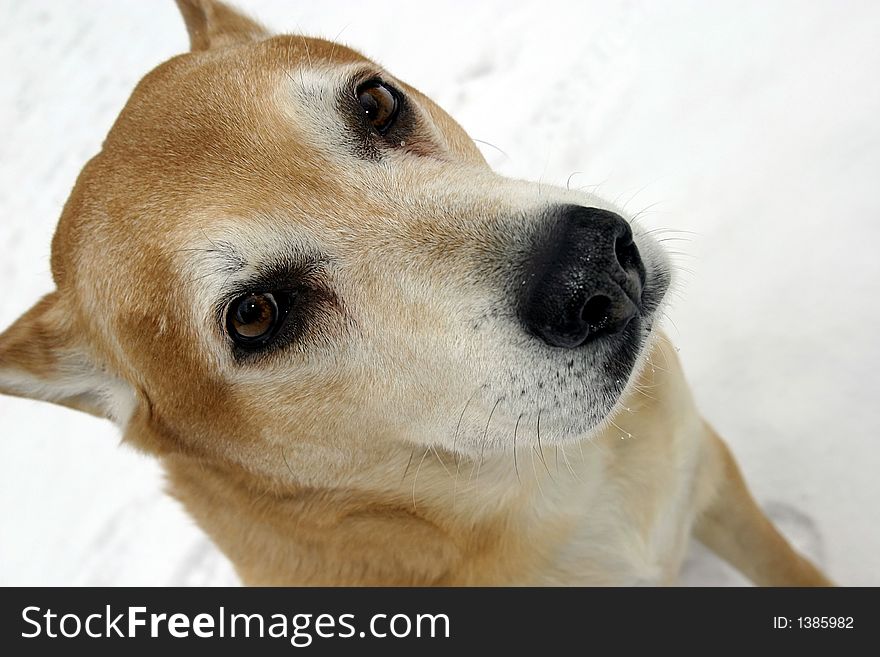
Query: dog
364	358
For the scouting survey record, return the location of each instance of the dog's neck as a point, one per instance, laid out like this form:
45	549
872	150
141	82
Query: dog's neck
425	518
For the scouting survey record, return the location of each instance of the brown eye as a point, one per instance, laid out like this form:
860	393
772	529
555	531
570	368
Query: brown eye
379	104
252	319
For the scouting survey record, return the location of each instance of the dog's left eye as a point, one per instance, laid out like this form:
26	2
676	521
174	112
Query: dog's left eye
379	103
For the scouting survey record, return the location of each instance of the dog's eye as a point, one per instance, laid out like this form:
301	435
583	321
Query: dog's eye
379	103
253	320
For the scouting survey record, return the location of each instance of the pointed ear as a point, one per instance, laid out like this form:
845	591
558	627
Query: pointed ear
42	357
212	24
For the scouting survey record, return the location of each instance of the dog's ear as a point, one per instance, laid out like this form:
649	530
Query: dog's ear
213	24
42	356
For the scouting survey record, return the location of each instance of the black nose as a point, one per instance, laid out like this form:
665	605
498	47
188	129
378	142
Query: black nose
583	279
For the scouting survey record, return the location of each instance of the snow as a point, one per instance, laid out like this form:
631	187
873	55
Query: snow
752	124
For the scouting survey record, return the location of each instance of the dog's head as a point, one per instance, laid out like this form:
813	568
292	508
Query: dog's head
283	255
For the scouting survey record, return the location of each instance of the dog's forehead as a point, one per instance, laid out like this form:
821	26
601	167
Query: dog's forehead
235	126
236	108
229	129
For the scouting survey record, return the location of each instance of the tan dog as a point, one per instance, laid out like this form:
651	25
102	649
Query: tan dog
363	357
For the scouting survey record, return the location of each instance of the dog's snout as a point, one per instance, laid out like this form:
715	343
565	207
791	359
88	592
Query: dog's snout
583	279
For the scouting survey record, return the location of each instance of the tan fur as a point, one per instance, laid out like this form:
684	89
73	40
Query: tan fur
376	450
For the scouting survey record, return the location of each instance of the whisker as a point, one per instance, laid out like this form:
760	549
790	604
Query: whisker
439	458
664	229
636	193
670	320
416	477
662	337
461	416
665	359
568	180
515	465
335	40
541	447
490	145
535	472
408	463
593	189
638	215
458	457
568	465
284	458
489	421
642	392
259	497
654	366
483	442
308	52
614	424
480	465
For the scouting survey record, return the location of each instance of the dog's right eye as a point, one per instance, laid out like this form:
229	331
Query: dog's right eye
379	103
252	320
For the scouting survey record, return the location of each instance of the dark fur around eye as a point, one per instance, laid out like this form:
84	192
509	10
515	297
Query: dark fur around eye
271	311
369	139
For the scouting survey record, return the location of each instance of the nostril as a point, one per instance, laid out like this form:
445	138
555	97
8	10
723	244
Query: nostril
626	252
595	311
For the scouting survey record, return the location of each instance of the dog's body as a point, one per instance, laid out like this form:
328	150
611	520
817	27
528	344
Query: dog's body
296	282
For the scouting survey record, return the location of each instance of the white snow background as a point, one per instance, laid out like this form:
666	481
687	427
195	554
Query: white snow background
754	124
